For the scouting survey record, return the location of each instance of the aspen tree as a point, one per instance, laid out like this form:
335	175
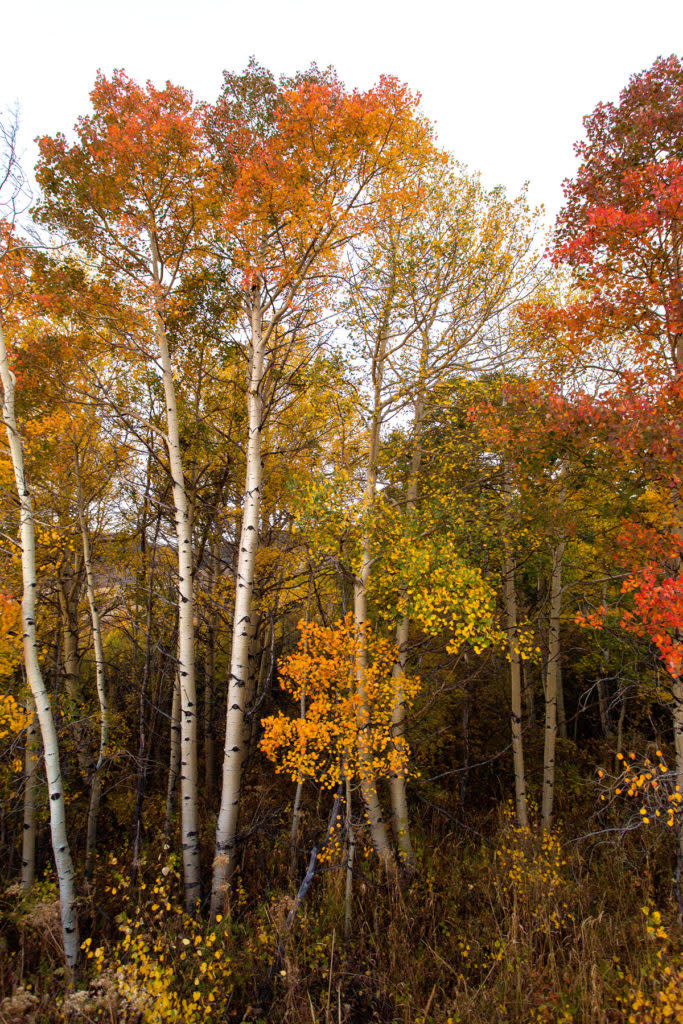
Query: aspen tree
131	192
300	193
31	762
457	258
12	282
60	845
235	745
210	675
360	590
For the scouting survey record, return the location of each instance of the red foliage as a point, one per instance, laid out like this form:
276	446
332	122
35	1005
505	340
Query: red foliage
621	230
658	601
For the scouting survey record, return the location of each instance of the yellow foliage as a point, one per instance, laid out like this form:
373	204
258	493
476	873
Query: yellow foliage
13	718
323	744
10	636
657	996
167	967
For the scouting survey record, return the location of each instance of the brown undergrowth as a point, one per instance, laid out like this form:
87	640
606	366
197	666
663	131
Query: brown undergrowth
519	927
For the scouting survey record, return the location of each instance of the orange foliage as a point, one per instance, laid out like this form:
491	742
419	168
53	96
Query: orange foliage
323	744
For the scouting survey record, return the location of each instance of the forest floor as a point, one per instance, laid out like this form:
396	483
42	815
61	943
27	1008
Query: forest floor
497	924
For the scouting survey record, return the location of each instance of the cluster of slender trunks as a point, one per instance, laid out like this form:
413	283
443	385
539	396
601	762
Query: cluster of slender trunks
184	717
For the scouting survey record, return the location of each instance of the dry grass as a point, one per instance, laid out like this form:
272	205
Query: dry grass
520	928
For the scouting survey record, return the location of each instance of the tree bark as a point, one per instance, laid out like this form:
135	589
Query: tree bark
209	682
174	756
511	625
397	783
60	845
298	796
368	784
100	681
235	734
31	759
561	713
350	854
186	654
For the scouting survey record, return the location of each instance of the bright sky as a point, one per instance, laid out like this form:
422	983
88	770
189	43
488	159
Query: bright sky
507	81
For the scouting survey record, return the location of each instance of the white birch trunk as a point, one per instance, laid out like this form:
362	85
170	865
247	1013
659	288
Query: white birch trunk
209	681
299	792
551	687
368	784
100	683
236	740
173	757
31	759
60	845
186	666
397	783
294	831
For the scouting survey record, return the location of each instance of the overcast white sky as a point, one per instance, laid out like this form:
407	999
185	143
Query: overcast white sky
506	82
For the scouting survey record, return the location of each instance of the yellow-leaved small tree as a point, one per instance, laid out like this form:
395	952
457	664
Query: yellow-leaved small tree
343	735
339	736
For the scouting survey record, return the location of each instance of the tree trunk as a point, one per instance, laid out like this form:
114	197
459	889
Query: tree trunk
60	845
397	783
100	681
561	713
511	625
298	796
186	662
368	785
603	707
350	854
31	759
235	748
174	756
528	687
294	831
551	686
209	683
